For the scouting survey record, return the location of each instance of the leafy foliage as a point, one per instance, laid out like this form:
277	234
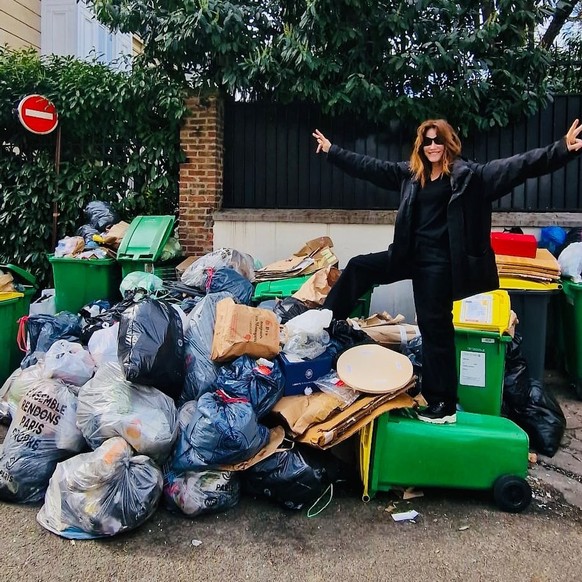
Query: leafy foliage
475	63
119	143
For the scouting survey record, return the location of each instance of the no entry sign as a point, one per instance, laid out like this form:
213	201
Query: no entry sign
38	114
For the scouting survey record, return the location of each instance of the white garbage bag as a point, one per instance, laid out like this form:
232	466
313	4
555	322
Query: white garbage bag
102	344
194	493
16	386
42	433
110	406
69	362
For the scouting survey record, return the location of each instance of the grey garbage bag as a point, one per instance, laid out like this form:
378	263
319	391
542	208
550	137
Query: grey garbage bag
42	433
194	493
217	430
201	371
102	493
110	406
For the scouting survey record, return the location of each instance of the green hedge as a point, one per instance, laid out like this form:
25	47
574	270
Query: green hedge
120	143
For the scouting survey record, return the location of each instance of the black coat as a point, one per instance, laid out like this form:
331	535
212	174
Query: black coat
474	187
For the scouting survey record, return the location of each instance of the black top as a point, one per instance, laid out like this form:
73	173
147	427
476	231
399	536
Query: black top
430	214
474	187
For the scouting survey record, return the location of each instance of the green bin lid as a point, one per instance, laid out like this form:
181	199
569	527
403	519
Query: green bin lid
21	274
145	238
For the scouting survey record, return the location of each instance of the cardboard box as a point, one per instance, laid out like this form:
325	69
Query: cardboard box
181	267
301	374
517	245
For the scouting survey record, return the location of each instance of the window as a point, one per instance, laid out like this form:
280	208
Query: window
69	27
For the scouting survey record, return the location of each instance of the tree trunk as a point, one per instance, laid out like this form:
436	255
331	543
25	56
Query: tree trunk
562	14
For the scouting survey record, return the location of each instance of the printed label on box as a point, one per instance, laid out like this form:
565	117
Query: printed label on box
477	309
472	369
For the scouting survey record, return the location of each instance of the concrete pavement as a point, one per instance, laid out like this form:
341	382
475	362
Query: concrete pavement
563	471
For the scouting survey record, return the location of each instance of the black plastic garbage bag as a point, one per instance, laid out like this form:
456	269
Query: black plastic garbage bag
195	493
343	336
293	478
516	378
87	231
217	430
100	215
44	330
260	381
288	308
151	345
108	317
536	410
227	279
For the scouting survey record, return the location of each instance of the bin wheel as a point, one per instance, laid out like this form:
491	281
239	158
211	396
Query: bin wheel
511	493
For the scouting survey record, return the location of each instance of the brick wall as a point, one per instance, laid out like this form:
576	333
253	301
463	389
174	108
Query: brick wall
201	176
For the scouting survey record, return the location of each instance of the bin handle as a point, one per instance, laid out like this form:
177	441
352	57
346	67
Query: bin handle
21	335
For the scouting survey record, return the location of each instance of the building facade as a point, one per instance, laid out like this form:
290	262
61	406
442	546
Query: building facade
61	27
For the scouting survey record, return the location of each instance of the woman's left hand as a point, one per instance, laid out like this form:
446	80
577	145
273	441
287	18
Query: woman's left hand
573	141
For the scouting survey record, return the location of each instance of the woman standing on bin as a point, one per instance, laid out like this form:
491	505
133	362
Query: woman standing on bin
441	237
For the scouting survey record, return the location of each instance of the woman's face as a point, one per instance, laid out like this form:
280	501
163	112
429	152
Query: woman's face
432	146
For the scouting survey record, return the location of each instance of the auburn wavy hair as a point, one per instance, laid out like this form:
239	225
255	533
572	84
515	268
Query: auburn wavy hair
419	164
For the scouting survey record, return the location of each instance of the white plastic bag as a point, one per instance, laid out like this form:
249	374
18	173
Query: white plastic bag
69	362
570	261
110	406
16	386
194	493
140	280
102	344
305	336
195	275
102	493
332	384
44	304
42	433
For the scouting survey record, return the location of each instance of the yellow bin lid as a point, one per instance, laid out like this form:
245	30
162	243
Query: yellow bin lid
518	284
8	295
485	311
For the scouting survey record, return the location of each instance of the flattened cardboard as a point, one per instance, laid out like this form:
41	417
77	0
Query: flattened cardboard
374	369
314	255
181	267
317	287
302	411
390	332
113	237
276	438
349	421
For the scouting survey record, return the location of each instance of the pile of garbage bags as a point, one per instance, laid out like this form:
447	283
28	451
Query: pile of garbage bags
165	397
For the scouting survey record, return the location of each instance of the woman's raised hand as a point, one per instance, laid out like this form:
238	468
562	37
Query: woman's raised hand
323	144
573	139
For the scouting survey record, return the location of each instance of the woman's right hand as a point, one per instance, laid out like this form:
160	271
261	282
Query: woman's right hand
323	144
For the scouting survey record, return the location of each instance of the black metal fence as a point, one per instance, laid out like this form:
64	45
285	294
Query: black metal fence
270	159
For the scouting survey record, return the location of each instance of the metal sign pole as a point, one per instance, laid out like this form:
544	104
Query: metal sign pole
55	203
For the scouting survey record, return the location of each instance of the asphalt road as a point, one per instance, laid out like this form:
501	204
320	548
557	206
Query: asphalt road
458	536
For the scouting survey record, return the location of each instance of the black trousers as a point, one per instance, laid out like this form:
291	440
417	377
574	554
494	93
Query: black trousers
433	298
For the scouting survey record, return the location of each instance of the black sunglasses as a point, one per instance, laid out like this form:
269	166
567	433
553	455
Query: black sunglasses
427	141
